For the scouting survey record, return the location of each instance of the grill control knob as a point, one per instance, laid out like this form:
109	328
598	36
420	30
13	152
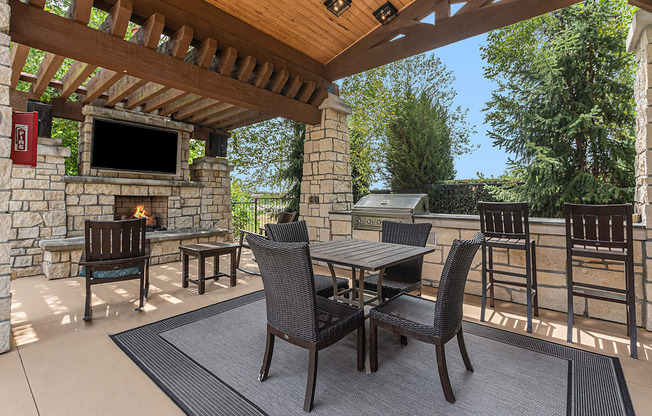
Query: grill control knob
379	221
369	221
359	221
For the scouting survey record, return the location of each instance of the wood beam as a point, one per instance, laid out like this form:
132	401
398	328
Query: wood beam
148	36
56	84
642	4
201	55
19	53
262	74
183	102
224	61
442	10
278	80
61	108
245	66
210	21
473	5
319	96
447	31
305	92
54	34
415	11
241	119
78	11
195	108
225	115
209	112
292	87
115	23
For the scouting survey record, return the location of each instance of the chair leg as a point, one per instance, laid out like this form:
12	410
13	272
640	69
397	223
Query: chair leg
362	346
464	352
631	306
312	380
141	297
373	345
535	287
528	285
267	360
404	340
569	289
443	374
87	309
492	301
483	304
146	280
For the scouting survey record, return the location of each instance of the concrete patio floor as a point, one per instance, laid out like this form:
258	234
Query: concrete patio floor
60	365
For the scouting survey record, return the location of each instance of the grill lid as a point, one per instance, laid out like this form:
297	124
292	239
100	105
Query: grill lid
398	203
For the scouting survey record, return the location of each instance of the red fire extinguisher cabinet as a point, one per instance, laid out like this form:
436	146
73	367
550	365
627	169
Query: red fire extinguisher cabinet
24	138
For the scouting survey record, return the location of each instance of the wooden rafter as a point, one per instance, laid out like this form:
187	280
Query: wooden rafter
61	108
319	96
19	53
444	32
180	104
115	23
148	36
229	115
209	112
45	31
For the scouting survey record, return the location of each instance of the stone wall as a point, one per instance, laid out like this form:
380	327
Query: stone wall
549	235
215	196
640	42
5	179
326	184
37	205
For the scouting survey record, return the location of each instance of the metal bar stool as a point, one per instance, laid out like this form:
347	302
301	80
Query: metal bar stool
506	225
599	232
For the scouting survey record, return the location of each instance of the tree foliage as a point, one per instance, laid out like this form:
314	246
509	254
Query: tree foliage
293	173
564	106
419	144
376	98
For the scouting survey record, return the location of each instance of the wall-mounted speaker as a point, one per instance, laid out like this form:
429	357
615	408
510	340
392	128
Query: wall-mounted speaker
44	116
217	144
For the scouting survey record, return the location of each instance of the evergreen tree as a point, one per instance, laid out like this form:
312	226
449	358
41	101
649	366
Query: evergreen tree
564	106
293	173
419	144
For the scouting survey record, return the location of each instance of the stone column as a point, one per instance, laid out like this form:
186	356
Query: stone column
5	179
639	41
326	185
215	208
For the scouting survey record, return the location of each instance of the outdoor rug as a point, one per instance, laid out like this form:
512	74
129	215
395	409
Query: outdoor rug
208	362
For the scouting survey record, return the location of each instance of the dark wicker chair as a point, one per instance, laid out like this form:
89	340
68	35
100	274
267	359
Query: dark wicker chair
284	217
602	232
296	232
115	251
404	277
506	225
294	312
412	316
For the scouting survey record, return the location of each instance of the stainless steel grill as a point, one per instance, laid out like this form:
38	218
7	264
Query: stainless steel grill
371	210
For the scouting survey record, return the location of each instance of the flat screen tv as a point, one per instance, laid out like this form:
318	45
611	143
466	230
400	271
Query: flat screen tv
133	147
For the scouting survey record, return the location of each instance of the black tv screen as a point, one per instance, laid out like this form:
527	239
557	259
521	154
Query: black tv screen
133	147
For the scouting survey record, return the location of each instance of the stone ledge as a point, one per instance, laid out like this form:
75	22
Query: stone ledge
131	181
137	117
77	243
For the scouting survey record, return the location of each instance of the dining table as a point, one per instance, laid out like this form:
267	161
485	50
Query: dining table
363	256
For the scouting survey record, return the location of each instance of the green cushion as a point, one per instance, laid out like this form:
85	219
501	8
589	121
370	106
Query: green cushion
103	274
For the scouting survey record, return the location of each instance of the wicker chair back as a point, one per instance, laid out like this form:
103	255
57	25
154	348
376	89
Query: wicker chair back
290	232
408	234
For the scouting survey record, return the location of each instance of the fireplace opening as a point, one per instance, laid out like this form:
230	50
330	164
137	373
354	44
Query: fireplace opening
152	208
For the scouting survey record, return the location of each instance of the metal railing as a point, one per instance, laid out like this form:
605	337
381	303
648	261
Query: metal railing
256	213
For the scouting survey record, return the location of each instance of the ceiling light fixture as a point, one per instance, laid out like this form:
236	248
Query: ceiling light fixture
337	7
386	13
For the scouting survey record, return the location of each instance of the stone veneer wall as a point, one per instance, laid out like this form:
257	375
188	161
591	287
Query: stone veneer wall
37	206
326	184
215	196
551	264
5	179
640	42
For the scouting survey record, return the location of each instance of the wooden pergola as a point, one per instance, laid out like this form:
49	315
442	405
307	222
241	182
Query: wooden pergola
224	64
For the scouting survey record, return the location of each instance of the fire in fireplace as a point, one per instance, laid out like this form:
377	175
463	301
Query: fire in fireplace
150	219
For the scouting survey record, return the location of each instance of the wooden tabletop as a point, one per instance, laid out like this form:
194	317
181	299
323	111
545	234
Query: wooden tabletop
367	255
209	247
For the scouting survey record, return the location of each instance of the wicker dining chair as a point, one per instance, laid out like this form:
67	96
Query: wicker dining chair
297	232
602	232
403	277
284	217
412	316
115	251
506	225
294	312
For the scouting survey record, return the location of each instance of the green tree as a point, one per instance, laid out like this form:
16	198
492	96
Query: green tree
419	144
293	172
564	106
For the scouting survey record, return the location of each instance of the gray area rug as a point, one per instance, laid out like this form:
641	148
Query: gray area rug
208	362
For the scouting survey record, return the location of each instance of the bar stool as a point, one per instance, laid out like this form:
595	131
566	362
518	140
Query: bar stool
506	225
599	232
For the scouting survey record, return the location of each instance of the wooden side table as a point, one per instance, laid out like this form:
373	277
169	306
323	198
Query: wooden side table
201	251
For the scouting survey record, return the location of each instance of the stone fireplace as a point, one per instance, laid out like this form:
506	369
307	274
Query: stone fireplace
154	207
192	204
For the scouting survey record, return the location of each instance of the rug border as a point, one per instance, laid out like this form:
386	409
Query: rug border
615	361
